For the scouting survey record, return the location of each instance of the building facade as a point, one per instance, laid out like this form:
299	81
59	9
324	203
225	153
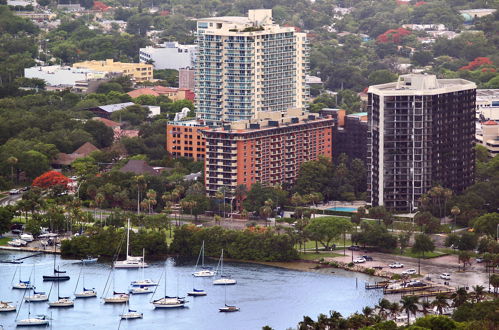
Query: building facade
184	139
488	136
170	55
269	150
247	65
421	133
186	78
56	75
139	72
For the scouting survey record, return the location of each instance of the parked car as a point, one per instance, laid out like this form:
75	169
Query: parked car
14	192
415	284
479	260
409	272
359	260
25	188
368	258
396	265
445	276
354	248
27	237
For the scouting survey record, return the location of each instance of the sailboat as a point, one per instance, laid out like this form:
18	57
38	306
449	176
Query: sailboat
203	272
228	308
130	261
5	306
141	286
169	302
39	320
224	279
22	285
117	297
61	301
131	314
86	293
57	273
36	296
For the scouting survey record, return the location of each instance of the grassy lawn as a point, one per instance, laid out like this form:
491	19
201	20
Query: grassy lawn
311	244
427	255
3	195
316	256
4	240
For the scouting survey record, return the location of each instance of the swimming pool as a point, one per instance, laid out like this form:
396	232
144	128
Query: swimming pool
343	209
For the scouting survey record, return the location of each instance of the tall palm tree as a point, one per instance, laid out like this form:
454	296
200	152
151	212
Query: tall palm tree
455	212
394	309
367	311
151	199
99	199
478	293
459	297
425	307
240	194
383	306
440	303
266	210
12	161
410	306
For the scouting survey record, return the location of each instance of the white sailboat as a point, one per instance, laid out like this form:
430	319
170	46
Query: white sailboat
5	306
39	320
36	296
117	297
86	293
143	283
130	261
224	279
228	308
169	302
22	285
131	314
61	301
203	272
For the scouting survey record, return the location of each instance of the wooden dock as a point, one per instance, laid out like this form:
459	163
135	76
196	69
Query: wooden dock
421	294
377	285
407	290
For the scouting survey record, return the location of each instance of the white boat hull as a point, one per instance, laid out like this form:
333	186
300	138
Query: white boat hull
37	298
117	300
140	291
169	303
22	286
86	294
130	265
204	273
178	305
131	316
6	307
224	281
32	322
196	294
62	303
144	283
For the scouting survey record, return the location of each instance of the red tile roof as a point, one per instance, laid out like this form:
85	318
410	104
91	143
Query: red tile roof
490	122
107	122
142	91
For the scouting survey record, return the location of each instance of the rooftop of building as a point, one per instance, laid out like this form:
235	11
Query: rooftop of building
422	84
188	123
115	107
358	114
487	93
490	123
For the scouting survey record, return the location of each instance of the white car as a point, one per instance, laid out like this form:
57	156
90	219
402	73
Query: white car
396	265
14	192
445	276
359	260
409	272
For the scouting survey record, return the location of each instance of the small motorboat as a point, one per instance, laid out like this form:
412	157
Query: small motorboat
225	281
86	293
229	309
17	243
23	285
5	306
197	293
140	290
117	298
144	283
37	297
204	273
62	302
40	320
89	260
131	314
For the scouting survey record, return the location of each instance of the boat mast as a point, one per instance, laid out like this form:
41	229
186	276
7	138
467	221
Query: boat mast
128	237
202	255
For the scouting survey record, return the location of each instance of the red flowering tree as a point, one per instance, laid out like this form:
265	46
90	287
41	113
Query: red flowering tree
393	35
478	62
51	180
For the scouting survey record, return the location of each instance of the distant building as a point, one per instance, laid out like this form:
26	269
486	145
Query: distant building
173	94
487	104
186	78
184	139
137	71
425	27
105	111
170	55
138	167
469	15
248	65
488	136
268	150
64	76
421	132
63	159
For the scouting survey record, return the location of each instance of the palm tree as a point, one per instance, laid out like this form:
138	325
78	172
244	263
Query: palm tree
383	306
394	309
410	306
99	199
455	212
425	306
367	311
478	293
240	194
151	199
459	297
266	210
440	303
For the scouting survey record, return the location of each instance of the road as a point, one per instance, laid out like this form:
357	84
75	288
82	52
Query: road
10	199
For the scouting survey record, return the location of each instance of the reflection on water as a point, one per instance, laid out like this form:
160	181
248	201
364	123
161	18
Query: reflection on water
266	295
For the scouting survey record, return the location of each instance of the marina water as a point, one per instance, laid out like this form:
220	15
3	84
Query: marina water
266	295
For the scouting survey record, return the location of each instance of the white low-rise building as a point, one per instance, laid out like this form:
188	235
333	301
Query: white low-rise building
57	75
170	55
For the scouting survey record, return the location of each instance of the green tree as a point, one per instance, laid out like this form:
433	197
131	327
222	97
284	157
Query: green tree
422	244
487	224
464	257
440	303
409	304
103	135
6	217
327	229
